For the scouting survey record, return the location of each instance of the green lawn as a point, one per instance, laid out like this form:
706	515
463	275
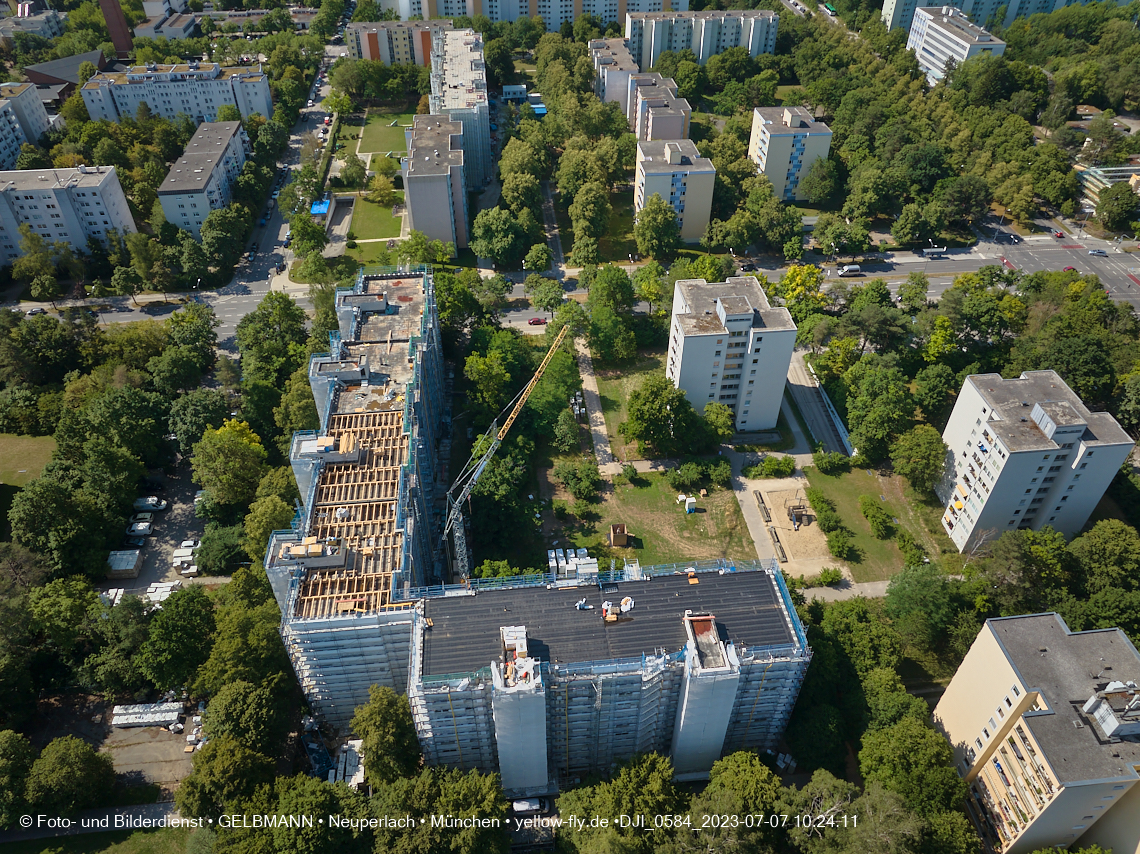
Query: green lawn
22	458
614	388
378	136
371	221
660	529
617	244
164	841
878	560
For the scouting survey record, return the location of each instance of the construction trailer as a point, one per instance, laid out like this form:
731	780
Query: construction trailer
368	479
709	660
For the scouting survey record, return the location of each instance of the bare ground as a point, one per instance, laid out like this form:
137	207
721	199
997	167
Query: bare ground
809	542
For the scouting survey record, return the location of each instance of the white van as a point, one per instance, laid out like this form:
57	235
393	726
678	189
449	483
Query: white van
850	270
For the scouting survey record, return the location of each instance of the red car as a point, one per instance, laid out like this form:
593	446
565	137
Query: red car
537	321
1070	270
1058	234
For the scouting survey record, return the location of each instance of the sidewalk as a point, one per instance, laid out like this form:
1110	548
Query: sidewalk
607	463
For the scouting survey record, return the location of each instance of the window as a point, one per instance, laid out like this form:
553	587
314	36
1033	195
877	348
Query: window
978	742
754	361
1084	466
1089	454
717	353
992	724
1016	691
1053	469
986	733
1060	458
1045	457
1039	468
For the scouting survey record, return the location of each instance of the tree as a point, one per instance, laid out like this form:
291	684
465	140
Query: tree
649	285
1116	206
497	235
539	258
662	419
801	288
914	761
59	609
581	479
35	257
590	211
585	253
933	386
45	289
912	293
441	791
566	433
920	456
919	601
888	700
193	413
1109	556
309	236
381	192
521	191
228	462
177	369
272	339
265	516
720	420
544	293
657	229
337	103
32	157
16	758
390	747
879	411
69	775
353	173
180	638
249	715
225	774
822	181
912	226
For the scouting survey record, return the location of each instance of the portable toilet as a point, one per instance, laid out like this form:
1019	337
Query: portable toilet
690	504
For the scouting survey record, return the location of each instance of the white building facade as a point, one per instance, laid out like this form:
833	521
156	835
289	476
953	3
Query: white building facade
785	142
435	183
202	179
195	89
986	13
675	171
459	94
23	119
728	345
612	67
941	34
1025	453
704	33
168	19
62	205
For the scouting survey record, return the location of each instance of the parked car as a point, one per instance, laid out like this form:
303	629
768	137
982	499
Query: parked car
1099	252
537	321
135	542
150	502
310	103
263	220
530	806
748	268
142	517
281	267
1070	270
32	312
189	544
140	529
1058	234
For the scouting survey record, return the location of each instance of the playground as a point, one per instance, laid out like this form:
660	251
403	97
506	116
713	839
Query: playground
794	522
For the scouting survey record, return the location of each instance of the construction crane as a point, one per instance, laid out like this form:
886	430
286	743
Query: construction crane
484	449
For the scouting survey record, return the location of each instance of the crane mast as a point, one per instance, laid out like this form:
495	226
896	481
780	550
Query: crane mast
481	454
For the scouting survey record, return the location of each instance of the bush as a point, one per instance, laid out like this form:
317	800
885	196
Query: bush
913	553
581	479
221	552
686	476
831	462
629	472
830	576
719	473
560	508
879	519
839	544
772	466
350	244
827	519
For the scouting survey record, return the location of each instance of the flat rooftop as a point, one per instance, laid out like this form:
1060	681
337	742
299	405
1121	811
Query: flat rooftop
43	179
776	120
191	172
429	147
653	156
701	297
385	337
729	13
1067	668
11	90
1011	402
465	632
956	25
612	54
463	76
141	74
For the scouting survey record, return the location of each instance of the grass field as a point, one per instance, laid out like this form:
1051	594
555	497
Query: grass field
22	458
371	221
378	136
878	560
617	244
165	841
614	388
661	531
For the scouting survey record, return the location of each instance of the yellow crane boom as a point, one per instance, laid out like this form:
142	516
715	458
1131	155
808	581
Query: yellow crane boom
533	382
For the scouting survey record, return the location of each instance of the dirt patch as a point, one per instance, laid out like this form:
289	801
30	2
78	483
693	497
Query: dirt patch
804	544
149	755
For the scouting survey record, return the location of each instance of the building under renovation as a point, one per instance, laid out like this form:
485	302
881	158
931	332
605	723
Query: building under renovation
368	481
549	682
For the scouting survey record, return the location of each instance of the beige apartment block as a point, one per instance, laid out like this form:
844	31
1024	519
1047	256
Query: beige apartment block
655	111
785	142
675	171
1045	726
393	42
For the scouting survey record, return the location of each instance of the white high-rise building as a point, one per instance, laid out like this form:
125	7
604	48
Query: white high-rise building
704	33
24	101
62	205
940	34
435	184
987	13
612	67
195	89
728	345
785	142
675	171
459	94
202	179
1025	453
169	19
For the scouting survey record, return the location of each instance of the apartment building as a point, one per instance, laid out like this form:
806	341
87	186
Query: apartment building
728	345
202	179
1045	726
655	111
46	24
393	42
366	534
459	94
195	89
704	33
435	184
613	66
168	19
986	13
1025	453
552	12
675	171
785	142
942	34
62	205
520	683
23	119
